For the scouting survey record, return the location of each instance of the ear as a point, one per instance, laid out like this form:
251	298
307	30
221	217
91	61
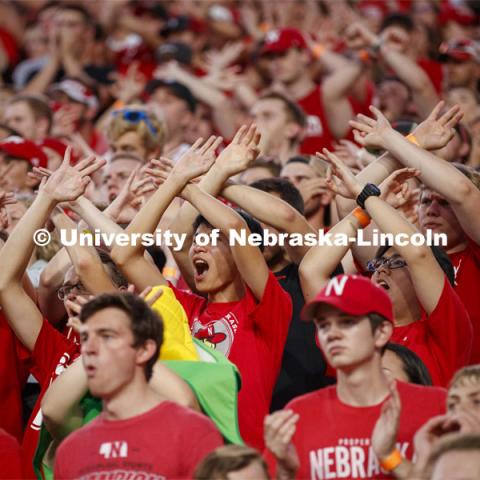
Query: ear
383	333
145	352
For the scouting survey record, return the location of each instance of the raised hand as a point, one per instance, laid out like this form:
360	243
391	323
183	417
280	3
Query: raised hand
6	198
395	189
279	428
129	86
241	152
74	305
437	130
197	160
340	178
159	170
358	36
68	183
384	434
369	131
150	299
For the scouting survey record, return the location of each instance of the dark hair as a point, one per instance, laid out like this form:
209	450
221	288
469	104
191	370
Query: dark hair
226	459
294	111
37	105
440	256
144	322
268	163
299	159
287	191
114	273
177	89
398	20
252	224
413	366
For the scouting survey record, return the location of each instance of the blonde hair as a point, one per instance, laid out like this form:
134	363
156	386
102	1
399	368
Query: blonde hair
119	126
465	375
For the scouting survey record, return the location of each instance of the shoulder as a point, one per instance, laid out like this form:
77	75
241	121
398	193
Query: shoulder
304	402
410	392
79	437
185	415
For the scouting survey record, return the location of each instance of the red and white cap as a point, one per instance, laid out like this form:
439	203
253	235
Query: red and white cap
278	41
352	294
76	91
18	147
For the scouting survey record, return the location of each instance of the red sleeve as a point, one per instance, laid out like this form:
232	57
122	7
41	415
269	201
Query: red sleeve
451	330
274	312
52	353
10	465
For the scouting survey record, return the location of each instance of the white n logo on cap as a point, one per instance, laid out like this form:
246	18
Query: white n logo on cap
338	285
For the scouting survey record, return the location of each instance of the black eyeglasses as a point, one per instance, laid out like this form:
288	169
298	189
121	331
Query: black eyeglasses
64	291
136	116
391	263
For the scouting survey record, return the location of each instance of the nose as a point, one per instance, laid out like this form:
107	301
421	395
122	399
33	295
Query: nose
433	209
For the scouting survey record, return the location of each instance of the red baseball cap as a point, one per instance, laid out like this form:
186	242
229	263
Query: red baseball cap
278	41
76	91
18	147
352	294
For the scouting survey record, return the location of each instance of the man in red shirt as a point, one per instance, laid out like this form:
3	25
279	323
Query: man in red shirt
244	312
137	432
326	434
50	351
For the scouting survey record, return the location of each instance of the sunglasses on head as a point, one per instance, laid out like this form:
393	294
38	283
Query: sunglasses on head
136	116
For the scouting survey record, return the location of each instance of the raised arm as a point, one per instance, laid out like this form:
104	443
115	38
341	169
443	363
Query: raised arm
65	184
427	276
436	173
248	258
85	260
273	211
130	258
235	158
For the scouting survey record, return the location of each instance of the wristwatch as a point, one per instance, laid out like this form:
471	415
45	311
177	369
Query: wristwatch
369	190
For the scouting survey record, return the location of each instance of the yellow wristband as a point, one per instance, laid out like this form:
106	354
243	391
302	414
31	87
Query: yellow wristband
412	139
362	217
391	462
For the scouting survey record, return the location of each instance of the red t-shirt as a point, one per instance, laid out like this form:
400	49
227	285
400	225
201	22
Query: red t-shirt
13	374
252	335
51	355
442	339
332	439
467	285
317	132
166	442
10	463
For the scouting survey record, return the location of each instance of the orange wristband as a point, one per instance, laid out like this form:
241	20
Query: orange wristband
362	217
391	462
364	56
317	50
412	139
169	272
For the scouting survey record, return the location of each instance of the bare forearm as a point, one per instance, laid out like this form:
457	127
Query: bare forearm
320	261
16	253
44	78
376	172
94	217
214	211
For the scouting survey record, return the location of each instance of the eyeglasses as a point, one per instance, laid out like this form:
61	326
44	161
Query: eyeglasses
64	291
391	263
136	116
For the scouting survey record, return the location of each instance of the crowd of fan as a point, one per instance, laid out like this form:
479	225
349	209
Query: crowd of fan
219	360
